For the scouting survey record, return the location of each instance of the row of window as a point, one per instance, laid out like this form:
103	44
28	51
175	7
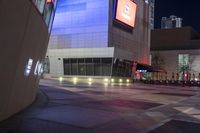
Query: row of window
88	66
47	9
97	67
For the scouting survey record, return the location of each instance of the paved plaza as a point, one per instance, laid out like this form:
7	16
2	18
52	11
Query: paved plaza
125	108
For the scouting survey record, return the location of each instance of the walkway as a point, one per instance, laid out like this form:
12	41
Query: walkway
68	108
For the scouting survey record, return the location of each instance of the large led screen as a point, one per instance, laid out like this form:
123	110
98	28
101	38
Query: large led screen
126	12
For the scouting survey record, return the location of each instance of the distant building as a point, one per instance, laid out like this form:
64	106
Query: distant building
171	22
152	10
176	50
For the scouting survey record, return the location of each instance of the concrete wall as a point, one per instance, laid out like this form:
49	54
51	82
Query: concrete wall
135	43
23	35
174	39
56	56
56	65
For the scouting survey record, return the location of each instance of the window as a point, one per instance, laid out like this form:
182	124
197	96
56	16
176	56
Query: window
67	66
47	9
28	67
106	66
40	5
48	13
74	67
97	66
89	66
81	67
46	65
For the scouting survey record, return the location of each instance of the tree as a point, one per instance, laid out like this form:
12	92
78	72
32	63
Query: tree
157	63
185	62
157	60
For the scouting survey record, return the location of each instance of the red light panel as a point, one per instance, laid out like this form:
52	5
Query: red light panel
50	1
126	12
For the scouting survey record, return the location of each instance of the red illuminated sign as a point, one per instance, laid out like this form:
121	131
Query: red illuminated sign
126	12
50	1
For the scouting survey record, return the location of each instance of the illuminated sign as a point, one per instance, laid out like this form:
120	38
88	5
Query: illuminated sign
142	71
38	68
126	12
28	67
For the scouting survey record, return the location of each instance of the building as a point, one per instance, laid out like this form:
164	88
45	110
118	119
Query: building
99	38
171	22
176	50
25	28
152	13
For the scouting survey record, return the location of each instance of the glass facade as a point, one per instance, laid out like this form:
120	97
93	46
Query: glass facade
122	68
80	24
97	67
47	9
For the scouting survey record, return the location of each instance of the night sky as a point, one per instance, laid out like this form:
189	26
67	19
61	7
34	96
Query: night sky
189	10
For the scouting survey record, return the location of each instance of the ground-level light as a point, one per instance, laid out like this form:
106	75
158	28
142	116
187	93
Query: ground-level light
60	79
127	80
112	80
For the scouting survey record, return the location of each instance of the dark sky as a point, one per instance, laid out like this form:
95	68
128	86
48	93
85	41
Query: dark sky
189	10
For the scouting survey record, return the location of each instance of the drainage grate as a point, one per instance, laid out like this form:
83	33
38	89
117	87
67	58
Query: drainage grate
176	126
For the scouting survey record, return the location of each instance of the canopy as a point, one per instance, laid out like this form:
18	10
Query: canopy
148	68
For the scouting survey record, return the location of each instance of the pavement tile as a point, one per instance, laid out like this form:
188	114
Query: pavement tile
43	126
127	103
81	117
176	94
68	108
176	126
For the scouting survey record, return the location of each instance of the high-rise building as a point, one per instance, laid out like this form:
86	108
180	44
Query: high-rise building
171	22
152	13
99	38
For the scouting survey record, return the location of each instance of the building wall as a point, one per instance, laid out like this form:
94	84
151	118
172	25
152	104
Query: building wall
152	12
84	29
136	43
170	58
176	38
24	36
56	56
80	24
